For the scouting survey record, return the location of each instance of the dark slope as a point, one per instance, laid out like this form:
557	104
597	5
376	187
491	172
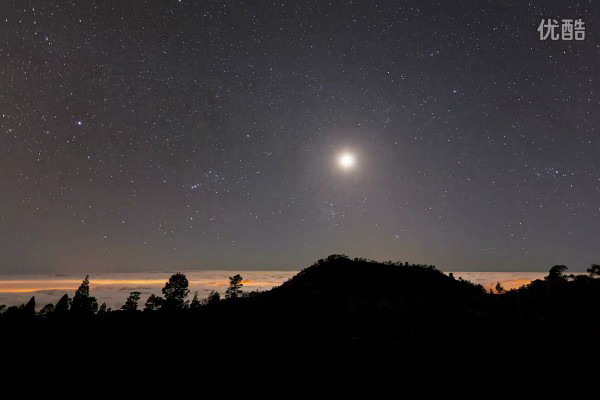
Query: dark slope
343	299
339	300
340	284
340	276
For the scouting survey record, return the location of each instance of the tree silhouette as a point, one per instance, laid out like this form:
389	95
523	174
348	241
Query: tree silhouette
83	303
235	287
47	309
213	298
594	270
334	300
2	308
63	305
195	304
29	308
154	303
175	292
13	311
131	304
499	288
556	272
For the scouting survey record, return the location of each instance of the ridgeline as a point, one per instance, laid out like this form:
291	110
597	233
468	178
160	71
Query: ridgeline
336	300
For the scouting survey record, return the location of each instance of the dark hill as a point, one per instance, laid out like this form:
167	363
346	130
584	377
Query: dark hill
342	300
339	300
340	276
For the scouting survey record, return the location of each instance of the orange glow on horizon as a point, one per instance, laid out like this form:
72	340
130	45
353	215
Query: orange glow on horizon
36	285
509	284
119	283
30	290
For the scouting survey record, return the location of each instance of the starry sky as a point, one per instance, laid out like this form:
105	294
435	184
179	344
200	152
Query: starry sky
140	135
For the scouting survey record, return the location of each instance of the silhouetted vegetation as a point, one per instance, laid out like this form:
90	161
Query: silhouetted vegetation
29	308
213	298
556	272
195	304
335	300
154	303
175	292
594	271
235	287
82	302
47	309
131	304
499	288
63	305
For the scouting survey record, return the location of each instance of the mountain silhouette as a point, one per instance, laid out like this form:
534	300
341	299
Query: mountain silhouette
339	299
336	300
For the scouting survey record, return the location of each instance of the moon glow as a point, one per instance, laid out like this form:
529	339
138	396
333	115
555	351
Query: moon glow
347	160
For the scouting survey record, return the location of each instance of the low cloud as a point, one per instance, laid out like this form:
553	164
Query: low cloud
114	288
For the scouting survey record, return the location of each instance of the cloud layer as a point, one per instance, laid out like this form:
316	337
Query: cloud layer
113	288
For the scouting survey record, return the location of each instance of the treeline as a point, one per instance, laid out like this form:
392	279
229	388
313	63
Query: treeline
176	292
557	274
336	300
174	299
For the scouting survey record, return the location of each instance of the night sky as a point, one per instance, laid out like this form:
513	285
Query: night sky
255	135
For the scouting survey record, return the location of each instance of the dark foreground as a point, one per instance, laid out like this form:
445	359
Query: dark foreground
337	300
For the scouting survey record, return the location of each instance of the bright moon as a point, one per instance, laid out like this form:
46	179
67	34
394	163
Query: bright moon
347	160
